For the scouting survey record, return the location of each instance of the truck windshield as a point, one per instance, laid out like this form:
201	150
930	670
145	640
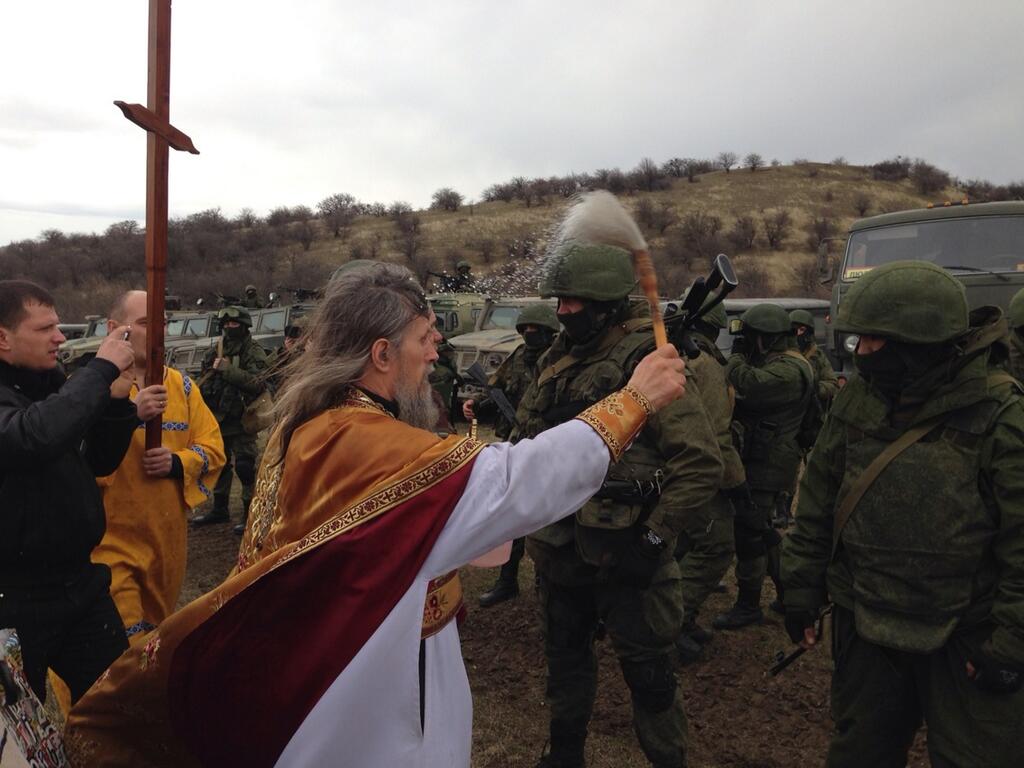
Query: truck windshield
501	317
977	244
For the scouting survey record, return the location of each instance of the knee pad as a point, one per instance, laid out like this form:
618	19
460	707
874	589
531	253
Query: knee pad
245	468
652	683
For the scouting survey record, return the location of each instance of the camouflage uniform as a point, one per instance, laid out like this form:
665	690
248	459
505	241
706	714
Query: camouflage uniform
444	378
705	547
513	377
774	385
1016	317
928	571
587	563
252	299
227	392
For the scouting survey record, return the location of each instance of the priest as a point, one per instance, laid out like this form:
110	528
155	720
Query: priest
334	641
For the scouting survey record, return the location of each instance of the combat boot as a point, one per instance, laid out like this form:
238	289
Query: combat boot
747	611
696	632
567	742
688	650
214	516
505	588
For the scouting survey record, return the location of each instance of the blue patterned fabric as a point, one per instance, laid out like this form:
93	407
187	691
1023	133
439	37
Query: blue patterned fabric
188	385
137	627
198	449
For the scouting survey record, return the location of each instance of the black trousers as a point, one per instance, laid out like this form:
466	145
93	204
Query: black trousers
74	629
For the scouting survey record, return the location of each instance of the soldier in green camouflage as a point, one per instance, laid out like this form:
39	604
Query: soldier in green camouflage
1016	317
232	377
444	378
537	324
611	564
252	298
774	386
705	548
911	520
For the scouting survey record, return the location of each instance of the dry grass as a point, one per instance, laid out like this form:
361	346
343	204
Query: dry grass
831	190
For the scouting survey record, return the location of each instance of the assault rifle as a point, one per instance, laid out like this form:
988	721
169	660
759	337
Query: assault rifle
477	374
679	319
782	660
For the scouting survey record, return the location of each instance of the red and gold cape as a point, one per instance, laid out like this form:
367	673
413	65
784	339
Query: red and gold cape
339	531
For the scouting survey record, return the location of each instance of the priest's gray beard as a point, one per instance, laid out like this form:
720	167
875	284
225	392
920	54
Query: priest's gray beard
415	399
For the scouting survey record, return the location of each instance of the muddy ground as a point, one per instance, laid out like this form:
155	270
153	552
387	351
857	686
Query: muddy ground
739	717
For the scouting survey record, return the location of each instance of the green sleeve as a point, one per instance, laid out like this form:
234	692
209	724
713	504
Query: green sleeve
683	435
246	376
1005	483
769	385
807	549
828	383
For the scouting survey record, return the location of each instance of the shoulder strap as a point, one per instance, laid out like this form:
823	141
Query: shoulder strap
845	509
615	334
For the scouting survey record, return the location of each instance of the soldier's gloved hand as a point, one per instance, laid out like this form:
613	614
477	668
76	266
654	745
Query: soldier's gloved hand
798	620
739	345
993	676
641	559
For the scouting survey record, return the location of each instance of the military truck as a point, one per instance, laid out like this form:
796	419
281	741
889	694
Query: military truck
982	245
456	313
77	352
494	339
267	328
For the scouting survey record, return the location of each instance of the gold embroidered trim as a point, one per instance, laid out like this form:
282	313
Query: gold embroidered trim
356	398
443	603
640	398
387	498
618	419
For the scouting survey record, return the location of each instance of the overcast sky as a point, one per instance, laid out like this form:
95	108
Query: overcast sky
292	101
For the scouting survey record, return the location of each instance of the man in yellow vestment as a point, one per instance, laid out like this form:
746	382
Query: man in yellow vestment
334	642
149	496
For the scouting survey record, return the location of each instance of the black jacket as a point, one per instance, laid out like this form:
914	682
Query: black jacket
56	436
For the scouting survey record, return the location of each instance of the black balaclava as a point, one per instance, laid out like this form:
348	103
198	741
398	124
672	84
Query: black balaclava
804	341
539	339
897	366
586	325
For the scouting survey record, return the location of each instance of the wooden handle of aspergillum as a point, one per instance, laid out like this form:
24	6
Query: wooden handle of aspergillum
649	285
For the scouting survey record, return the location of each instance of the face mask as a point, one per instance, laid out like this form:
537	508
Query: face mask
884	369
537	339
235	333
804	342
579	326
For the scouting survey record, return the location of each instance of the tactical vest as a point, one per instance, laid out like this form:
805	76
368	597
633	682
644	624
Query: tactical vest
769	438
567	386
916	552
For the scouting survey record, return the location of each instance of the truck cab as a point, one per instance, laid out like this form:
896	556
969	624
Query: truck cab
982	245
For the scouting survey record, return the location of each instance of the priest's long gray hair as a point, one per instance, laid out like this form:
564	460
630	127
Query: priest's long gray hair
360	305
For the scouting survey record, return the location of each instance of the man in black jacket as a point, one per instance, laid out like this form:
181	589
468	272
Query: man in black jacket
56	437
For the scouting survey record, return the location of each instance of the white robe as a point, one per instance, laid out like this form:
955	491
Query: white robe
370	715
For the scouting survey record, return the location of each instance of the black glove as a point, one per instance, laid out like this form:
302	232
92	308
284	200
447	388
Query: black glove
797	620
993	676
740	345
641	559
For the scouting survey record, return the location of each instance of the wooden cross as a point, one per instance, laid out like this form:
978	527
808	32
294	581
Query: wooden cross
155	120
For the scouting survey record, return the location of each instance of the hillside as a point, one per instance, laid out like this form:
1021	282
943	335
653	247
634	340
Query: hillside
685	223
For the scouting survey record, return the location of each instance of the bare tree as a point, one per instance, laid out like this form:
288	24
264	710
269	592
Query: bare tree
653	217
338	212
861	203
743	233
753	161
820	228
777	225
673	167
727	160
649	175
446	199
927	178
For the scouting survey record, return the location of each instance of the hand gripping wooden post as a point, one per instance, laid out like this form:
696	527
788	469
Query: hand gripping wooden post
155	120
598	218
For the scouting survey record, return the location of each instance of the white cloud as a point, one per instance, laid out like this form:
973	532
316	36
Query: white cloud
291	102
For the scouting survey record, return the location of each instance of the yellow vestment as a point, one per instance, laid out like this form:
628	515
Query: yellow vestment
146	540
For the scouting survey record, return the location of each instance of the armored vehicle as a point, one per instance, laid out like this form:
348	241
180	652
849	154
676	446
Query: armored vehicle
76	352
456	313
982	245
494	338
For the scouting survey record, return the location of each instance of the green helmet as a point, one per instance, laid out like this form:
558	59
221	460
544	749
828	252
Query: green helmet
1016	312
715	317
241	314
910	301
801	317
250	288
538	314
463	265
766	318
348	266
595	272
